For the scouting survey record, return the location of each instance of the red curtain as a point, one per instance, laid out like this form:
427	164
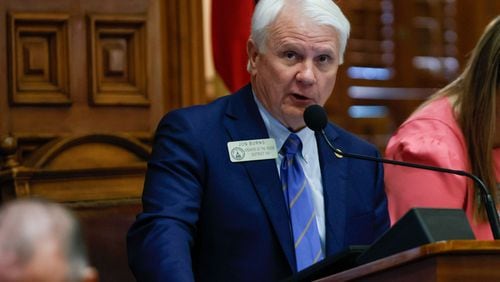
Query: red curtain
230	30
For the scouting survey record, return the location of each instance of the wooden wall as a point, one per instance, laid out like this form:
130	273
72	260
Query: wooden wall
83	85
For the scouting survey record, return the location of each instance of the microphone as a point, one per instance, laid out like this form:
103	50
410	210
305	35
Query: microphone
316	119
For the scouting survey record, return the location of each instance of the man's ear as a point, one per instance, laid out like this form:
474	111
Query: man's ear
253	54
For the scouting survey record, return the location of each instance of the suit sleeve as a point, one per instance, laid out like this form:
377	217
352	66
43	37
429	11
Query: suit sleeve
160	242
429	142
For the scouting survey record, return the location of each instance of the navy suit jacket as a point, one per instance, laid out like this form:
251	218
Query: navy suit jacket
208	219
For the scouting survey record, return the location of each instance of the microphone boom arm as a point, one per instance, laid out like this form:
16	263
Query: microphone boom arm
489	203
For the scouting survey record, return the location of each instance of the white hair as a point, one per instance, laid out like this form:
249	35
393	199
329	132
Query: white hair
24	223
323	12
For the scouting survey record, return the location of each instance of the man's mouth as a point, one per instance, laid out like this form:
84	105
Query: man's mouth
300	97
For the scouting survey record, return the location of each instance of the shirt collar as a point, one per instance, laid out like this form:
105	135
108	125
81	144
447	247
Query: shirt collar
280	133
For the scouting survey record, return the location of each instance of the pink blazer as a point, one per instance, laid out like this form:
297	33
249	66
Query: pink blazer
432	136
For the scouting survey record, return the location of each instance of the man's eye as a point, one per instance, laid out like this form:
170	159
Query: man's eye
290	55
324	58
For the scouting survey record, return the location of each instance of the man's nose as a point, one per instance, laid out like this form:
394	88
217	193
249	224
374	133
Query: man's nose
306	74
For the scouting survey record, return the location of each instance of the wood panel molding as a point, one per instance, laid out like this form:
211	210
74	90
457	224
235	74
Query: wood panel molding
183	41
38	59
117	60
80	168
89	151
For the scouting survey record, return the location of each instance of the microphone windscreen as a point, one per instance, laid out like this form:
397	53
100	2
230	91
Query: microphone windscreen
315	117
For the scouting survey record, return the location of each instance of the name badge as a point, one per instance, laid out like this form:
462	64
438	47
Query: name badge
252	150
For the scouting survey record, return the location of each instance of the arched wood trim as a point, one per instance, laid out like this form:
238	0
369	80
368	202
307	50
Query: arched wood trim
53	149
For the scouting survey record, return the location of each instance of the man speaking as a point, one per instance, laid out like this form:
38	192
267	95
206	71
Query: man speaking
240	189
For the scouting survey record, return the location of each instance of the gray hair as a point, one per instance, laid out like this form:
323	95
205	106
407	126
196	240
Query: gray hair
23	223
323	12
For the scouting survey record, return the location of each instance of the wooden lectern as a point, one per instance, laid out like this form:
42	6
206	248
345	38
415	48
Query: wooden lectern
456	260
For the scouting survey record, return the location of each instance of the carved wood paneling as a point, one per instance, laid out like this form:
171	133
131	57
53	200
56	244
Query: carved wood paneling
79	168
117	46
184	61
38	59
130	61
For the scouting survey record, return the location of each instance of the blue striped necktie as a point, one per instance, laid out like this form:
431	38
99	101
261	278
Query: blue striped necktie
302	213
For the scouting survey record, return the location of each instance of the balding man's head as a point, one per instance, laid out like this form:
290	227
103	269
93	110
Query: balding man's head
41	241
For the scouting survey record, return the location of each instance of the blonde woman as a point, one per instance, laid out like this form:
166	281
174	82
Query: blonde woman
456	128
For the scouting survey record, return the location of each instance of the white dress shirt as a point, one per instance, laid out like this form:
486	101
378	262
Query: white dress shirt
308	159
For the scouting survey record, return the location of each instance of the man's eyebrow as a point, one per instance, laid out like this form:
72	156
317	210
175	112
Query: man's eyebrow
287	44
326	47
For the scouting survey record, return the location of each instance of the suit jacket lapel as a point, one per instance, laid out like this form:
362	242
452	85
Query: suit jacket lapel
334	174
243	122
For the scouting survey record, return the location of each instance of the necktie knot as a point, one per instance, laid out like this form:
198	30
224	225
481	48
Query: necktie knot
292	145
